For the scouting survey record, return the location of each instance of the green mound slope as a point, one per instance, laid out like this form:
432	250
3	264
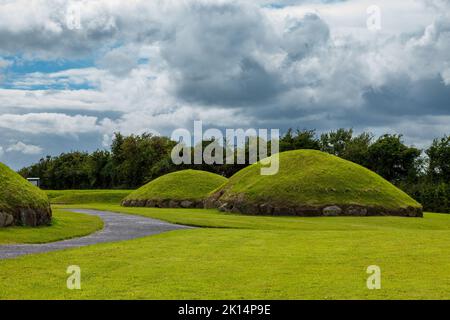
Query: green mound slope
86	196
186	188
312	183
21	203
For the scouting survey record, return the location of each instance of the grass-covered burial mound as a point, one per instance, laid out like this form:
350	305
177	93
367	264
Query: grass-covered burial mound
313	183
21	203
186	189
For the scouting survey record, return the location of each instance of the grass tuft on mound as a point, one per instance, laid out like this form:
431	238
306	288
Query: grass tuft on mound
17	193
316	179
180	185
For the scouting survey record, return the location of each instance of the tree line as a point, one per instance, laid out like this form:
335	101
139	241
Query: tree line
137	159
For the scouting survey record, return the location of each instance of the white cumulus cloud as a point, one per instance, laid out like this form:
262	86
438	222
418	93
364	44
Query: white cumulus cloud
24	148
49	123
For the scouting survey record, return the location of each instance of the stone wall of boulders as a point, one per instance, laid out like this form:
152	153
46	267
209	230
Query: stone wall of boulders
25	217
240	205
317	211
163	203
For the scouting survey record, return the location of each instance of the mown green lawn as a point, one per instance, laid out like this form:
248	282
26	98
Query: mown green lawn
246	257
86	196
215	219
64	225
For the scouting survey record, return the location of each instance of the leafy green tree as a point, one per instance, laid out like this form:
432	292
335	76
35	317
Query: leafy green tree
301	139
357	149
336	142
99	169
343	144
392	159
287	141
134	156
439	159
38	170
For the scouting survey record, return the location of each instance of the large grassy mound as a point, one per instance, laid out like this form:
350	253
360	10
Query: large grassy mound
21	203
186	188
313	183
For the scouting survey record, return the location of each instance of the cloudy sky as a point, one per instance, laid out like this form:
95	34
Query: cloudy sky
74	72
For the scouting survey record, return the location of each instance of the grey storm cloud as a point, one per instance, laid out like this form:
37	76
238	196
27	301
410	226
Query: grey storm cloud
225	59
52	29
41	30
303	36
212	55
119	62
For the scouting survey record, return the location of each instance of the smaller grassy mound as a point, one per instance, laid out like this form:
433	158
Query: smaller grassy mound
186	188
21	203
86	196
312	183
65	225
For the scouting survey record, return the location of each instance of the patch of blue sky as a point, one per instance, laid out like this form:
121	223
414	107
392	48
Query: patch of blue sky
54	86
143	61
24	66
16	74
275	5
283	4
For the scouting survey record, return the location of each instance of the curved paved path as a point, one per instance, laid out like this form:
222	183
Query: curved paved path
117	226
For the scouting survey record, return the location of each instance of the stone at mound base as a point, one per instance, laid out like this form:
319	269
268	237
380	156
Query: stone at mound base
163	203
35	217
6	219
331	211
312	211
26	217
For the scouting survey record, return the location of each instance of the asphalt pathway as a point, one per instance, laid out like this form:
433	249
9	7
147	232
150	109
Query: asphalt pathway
117	227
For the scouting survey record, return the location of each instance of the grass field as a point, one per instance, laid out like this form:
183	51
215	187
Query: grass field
64	225
86	196
248	257
212	218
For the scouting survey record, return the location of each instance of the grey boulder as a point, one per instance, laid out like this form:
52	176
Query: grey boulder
331	211
6	219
